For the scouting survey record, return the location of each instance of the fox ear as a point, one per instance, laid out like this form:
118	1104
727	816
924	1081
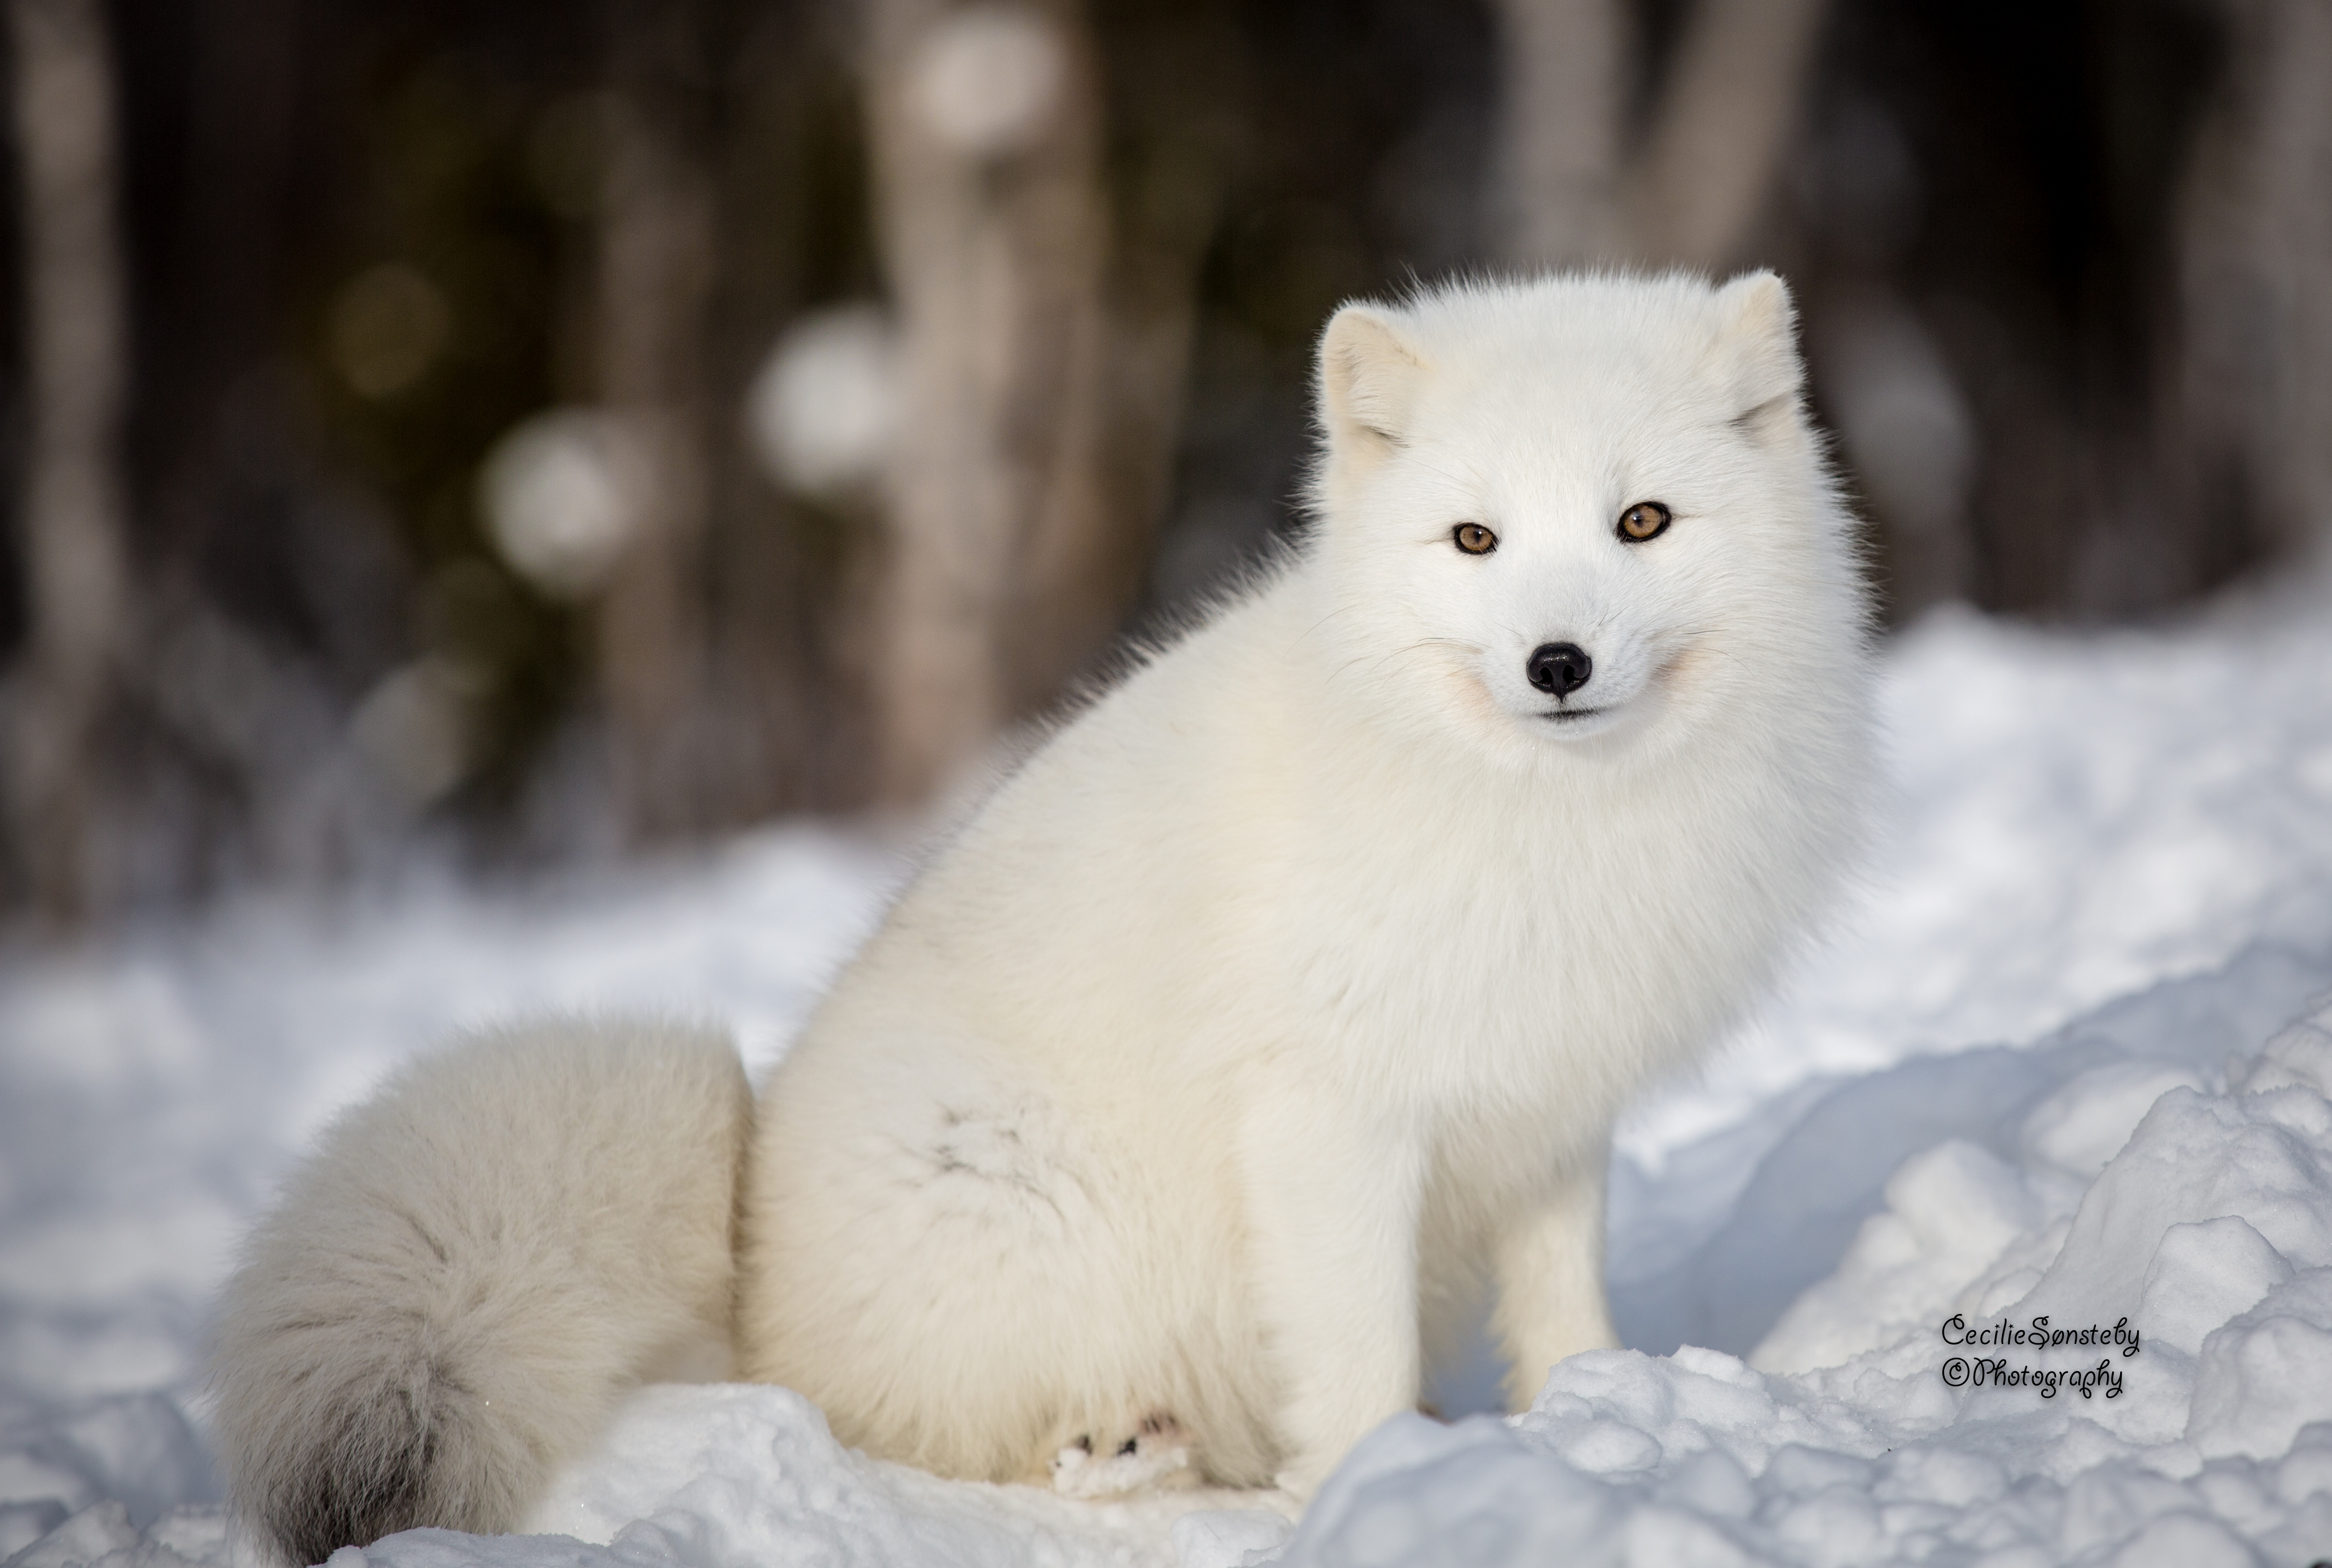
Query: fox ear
1757	348
1368	381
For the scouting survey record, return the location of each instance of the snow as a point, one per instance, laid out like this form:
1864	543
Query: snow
2068	1055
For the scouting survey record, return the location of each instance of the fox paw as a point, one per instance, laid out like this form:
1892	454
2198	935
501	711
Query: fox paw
1155	1456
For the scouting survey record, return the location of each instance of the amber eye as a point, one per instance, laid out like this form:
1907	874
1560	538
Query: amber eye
1644	520
1473	539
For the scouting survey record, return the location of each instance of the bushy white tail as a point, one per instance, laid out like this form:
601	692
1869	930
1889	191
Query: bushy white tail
470	1268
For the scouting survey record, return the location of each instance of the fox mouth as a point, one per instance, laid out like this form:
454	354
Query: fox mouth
1565	715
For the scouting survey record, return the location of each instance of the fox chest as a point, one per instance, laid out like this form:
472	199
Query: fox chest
1558	966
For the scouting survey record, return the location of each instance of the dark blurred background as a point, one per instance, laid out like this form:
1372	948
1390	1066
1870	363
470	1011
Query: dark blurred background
526	430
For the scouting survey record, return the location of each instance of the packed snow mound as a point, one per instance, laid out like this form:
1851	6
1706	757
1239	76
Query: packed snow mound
2022	1359
2115	854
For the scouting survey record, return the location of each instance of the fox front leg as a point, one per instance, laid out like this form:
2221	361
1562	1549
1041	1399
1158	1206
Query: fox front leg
1331	1208
1549	1271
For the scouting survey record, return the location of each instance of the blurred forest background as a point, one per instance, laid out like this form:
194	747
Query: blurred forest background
533	429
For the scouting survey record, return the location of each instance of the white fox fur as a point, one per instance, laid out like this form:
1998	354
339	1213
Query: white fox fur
470	1268
1285	995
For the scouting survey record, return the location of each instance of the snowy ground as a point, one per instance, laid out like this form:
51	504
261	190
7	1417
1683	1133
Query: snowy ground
2048	1066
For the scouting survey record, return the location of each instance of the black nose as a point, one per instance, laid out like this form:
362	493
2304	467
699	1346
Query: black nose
1560	668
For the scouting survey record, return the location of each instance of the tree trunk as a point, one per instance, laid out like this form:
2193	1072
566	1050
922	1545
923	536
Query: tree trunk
73	504
1733	100
2256	371
985	126
1562	104
655	262
1706	164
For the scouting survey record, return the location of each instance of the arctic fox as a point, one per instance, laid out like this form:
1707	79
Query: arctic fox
1284	997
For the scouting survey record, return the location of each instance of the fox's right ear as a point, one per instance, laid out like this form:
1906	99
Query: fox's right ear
1369	376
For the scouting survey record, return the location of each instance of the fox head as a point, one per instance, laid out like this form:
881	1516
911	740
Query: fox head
1575	516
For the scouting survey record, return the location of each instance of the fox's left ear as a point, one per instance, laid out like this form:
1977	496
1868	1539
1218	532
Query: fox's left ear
1756	350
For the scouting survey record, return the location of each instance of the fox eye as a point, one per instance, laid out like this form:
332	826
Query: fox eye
1644	520
1473	539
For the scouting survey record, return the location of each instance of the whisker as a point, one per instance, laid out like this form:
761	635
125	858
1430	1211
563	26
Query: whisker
1422	643
1323	620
